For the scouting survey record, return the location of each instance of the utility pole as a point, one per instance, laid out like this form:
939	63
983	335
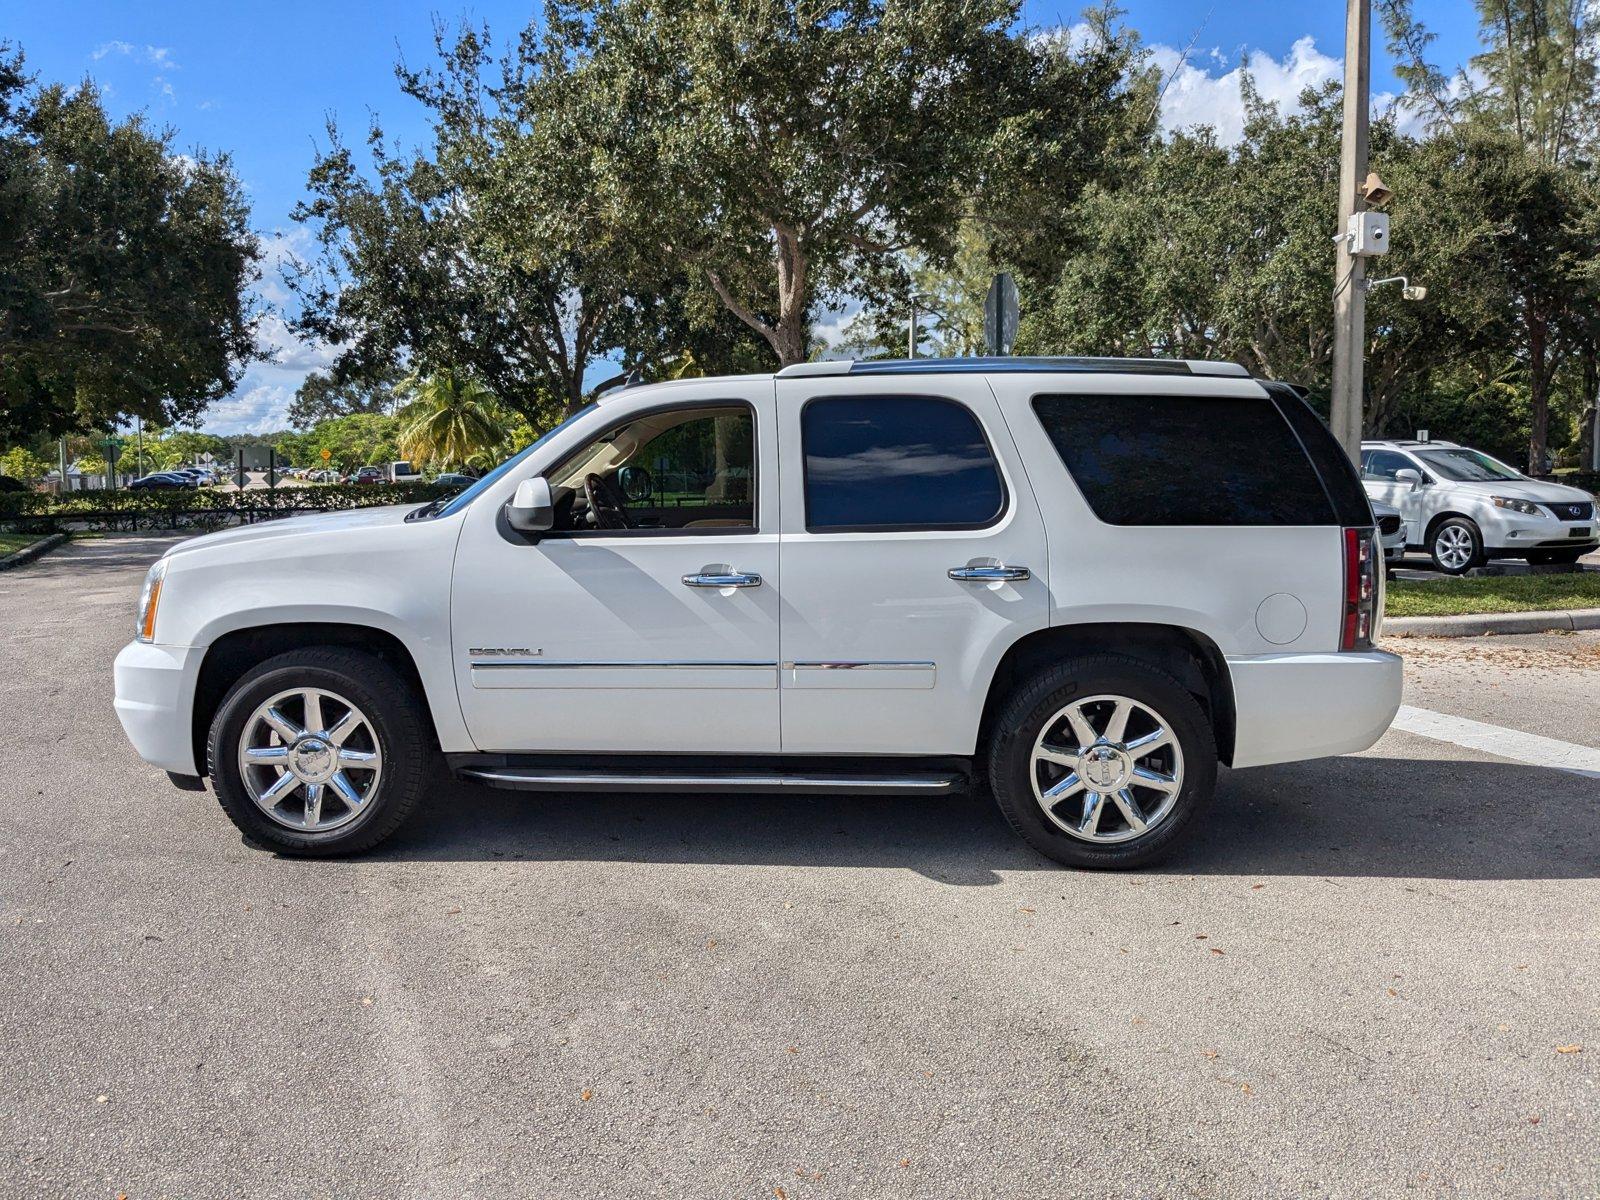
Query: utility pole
1350	292
911	331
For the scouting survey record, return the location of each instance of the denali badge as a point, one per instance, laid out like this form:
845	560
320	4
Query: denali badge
504	651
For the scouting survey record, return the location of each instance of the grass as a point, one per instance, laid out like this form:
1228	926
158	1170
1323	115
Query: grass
1500	594
10	543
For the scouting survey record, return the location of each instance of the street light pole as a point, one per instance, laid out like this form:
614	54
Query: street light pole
911	331
1349	291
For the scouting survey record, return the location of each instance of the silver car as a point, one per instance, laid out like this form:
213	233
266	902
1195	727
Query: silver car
1462	506
1391	529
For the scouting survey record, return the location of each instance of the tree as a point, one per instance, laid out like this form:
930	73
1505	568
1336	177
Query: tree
19	462
124	267
1528	115
452	420
321	397
786	152
494	254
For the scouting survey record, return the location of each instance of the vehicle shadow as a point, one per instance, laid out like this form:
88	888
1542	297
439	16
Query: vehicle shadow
1355	816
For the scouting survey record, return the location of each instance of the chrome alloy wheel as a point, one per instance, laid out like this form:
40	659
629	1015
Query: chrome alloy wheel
310	760
1453	547
1106	769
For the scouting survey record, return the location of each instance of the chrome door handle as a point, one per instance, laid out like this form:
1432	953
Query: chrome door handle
988	574
730	579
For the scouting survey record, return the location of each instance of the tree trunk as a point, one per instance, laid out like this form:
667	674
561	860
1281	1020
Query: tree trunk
1538	395
1591	404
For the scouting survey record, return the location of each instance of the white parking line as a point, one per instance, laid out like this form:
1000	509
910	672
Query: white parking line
1499	741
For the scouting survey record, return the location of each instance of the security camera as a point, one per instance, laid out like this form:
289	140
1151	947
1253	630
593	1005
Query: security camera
1414	291
1376	191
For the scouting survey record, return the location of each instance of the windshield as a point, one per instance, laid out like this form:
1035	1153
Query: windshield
1467	466
461	499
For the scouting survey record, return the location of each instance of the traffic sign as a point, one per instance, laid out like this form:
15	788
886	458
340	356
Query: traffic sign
1000	314
326	454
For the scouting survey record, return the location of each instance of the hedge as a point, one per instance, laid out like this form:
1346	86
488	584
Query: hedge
203	508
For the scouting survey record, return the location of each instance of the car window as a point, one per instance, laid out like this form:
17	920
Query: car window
1468	466
1185	460
1382	464
461	499
670	469
897	462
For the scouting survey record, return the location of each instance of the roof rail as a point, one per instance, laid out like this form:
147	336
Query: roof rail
979	365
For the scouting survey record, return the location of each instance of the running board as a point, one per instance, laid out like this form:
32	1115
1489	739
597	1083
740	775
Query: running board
547	779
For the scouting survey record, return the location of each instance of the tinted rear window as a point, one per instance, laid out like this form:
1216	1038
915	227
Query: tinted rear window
1339	475
1184	460
897	462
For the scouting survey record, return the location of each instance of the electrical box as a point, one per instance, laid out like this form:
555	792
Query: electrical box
1369	234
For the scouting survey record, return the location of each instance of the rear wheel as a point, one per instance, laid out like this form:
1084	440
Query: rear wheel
1102	762
319	752
1456	546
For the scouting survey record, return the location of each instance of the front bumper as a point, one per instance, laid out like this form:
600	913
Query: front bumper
155	700
1507	533
1290	707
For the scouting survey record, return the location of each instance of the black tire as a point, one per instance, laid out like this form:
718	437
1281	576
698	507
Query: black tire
394	713
1039	698
1456	526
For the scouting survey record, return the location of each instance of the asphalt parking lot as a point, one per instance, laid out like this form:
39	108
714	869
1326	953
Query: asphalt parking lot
1371	976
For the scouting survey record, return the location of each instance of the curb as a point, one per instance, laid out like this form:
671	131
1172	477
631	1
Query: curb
1476	625
28	553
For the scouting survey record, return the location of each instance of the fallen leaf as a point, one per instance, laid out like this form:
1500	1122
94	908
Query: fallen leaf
1247	1089
779	1192
1211	1053
1533	1120
711	943
905	1162
1200	937
1026	910
794	1049
1392	992
1214	950
585	1094
366	1002
101	1099
450	912
1256	887
1572	1049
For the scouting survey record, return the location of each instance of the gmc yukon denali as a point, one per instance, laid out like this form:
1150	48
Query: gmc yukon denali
1062	580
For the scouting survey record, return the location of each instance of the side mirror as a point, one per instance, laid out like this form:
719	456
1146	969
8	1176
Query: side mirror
531	509
1412	479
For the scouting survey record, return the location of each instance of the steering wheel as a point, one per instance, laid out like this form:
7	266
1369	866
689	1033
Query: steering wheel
606	504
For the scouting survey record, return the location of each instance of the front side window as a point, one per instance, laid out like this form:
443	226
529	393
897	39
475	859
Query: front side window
1185	460
678	469
1468	466
1382	464
897	462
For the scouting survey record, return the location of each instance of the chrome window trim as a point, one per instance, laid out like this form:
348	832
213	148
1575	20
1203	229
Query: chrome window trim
869	665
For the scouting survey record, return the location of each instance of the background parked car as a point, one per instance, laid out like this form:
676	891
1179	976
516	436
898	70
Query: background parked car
367	475
1391	530
455	480
1462	506
162	479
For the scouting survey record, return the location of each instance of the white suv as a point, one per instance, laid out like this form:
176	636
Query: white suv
1463	507
1052	575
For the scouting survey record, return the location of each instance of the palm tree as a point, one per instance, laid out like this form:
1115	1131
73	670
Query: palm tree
451	418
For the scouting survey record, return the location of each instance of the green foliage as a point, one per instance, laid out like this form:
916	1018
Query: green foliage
123	266
21	463
451	421
206	507
321	397
360	439
787	152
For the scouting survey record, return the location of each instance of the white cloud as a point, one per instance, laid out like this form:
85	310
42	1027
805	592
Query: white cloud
159	57
1196	96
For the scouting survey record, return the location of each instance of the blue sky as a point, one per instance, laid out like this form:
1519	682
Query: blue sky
260	82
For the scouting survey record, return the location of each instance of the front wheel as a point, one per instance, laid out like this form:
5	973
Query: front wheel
319	752
1456	546
1102	762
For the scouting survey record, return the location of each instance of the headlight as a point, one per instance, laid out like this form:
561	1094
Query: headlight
1522	506
149	599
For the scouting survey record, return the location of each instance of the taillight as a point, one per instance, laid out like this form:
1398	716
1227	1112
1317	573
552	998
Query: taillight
1360	590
